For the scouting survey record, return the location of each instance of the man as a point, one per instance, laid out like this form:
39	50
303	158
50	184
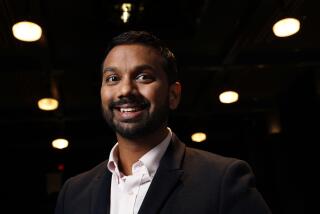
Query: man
149	169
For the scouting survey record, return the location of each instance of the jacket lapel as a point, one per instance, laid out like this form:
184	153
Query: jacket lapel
166	178
100	201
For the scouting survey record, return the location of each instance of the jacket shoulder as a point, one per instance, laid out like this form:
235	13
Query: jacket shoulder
201	160
91	174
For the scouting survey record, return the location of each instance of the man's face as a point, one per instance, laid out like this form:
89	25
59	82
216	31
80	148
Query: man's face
135	91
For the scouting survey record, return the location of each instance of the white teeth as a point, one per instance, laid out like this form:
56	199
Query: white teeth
128	109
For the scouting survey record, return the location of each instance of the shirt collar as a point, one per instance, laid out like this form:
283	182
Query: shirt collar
113	161
150	160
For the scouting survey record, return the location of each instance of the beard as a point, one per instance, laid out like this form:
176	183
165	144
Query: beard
146	125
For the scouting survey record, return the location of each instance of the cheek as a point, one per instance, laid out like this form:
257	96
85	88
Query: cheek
105	96
157	96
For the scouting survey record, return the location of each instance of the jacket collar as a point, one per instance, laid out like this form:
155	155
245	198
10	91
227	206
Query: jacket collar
100	201
165	181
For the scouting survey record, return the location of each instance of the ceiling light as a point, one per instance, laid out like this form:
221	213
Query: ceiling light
229	97
48	104
27	31
60	143
286	27
126	8
198	137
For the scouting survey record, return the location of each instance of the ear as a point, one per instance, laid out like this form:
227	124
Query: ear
174	95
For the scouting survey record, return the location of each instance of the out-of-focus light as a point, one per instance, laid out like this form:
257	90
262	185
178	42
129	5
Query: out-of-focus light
286	27
48	104
27	31
229	97
198	137
125	16
60	143
274	124
61	167
126	8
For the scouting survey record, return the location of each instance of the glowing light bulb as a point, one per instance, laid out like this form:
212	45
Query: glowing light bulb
229	97
198	137
27	31
60	143
48	104
126	8
286	27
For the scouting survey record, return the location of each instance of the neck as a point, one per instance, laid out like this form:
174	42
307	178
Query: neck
131	150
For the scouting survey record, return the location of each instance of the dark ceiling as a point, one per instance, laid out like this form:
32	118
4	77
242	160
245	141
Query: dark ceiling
218	44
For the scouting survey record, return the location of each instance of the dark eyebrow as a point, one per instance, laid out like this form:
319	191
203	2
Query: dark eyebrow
137	68
144	67
109	69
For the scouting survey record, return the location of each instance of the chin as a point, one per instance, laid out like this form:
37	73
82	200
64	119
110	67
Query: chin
131	131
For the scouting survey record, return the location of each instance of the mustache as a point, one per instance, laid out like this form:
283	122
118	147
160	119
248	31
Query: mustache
133	100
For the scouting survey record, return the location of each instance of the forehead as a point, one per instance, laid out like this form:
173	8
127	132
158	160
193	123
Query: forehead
133	53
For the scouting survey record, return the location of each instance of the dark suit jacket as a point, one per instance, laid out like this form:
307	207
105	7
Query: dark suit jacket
188	181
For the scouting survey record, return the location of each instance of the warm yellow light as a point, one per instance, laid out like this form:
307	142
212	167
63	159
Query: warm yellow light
229	97
60	143
274	124
126	8
198	137
125	16
27	31
48	104
286	27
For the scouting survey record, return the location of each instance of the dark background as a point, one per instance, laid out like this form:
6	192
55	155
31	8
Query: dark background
218	44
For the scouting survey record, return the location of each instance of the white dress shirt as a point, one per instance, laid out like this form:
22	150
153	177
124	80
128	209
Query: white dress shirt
128	192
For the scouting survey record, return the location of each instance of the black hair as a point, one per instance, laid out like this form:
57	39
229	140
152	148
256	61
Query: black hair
148	39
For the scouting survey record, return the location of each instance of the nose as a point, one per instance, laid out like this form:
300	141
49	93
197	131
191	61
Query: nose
127	87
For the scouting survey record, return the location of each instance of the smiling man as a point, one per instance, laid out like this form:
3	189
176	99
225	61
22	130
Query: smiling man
135	91
149	170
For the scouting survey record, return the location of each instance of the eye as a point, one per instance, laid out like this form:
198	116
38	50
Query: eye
112	79
145	78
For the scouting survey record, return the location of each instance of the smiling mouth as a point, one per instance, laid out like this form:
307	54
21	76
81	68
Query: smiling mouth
129	113
129	109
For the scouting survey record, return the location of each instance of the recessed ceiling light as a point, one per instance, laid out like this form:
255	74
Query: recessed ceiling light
286	27
27	31
60	143
48	104
198	137
228	97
